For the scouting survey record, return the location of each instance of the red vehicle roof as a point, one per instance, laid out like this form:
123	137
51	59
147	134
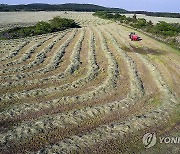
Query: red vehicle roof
134	36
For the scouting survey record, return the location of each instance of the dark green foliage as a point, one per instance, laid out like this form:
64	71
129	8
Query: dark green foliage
59	7
42	27
150	23
117	15
139	23
166	29
103	14
58	24
54	25
134	17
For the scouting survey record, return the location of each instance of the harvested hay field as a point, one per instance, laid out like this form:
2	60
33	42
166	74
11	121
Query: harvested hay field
87	90
11	19
155	19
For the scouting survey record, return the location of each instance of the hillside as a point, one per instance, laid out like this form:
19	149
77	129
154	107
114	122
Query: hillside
57	7
80	8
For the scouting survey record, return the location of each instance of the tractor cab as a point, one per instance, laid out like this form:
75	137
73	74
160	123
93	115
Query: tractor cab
134	37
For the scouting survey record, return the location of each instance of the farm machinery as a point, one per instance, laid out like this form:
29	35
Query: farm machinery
134	37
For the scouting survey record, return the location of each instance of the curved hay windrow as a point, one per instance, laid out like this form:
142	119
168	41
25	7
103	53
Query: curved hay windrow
80	90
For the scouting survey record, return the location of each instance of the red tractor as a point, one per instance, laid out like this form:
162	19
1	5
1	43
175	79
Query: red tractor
134	37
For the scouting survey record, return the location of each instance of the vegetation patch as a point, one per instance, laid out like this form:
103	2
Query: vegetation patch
54	25
161	28
168	31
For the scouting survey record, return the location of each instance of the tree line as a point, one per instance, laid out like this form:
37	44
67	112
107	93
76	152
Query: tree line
58	7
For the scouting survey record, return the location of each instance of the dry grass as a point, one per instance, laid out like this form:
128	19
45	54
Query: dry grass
91	87
156	19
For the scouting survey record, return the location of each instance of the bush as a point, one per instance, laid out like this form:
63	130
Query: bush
43	27
166	29
54	25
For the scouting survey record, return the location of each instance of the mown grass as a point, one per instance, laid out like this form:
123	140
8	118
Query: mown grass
133	141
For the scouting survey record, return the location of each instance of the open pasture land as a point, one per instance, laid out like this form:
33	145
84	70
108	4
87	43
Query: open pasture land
86	90
155	19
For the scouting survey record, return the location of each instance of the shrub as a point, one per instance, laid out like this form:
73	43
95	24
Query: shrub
54	25
43	27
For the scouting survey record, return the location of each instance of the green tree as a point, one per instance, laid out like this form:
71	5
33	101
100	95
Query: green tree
42	27
134	17
150	23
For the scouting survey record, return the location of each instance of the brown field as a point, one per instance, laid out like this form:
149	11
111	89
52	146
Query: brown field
87	90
